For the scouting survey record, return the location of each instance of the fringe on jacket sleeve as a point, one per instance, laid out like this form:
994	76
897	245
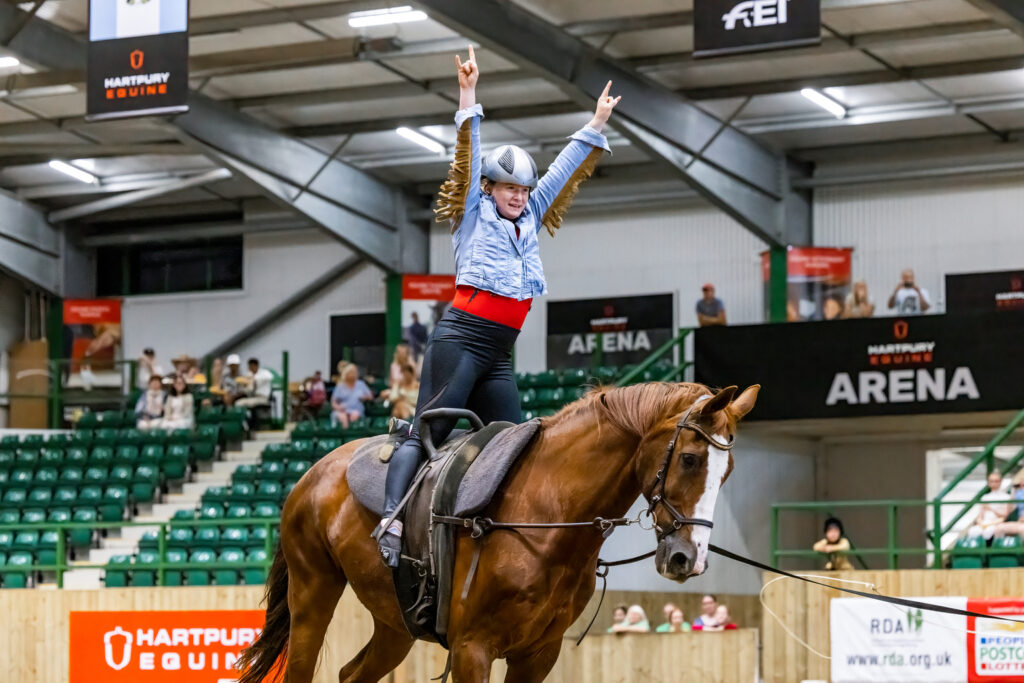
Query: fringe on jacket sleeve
552	219
451	200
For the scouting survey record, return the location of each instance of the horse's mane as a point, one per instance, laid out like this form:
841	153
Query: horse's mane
637	408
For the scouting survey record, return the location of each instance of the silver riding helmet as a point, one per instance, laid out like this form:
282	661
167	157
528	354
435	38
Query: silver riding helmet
510	164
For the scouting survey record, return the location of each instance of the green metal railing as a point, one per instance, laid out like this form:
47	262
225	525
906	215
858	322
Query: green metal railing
987	455
675	373
161	566
892	551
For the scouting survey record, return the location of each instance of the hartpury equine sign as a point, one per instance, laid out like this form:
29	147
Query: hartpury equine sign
138	58
618	330
729	26
881	366
160	646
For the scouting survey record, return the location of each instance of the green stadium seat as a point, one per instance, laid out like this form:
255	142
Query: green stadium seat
126	455
30	515
26	540
204	446
269	491
180	537
294	470
276	452
173	577
76	456
10	516
528	398
272	470
105	437
1012	547
10	441
234	537
116	575
207	536
88	421
95	475
22	476
40	496
90	495
145	481
111	418
33	441
6	540
302	449
131	437
966	555
239	511
51	457
120	474
152	454
145	577
65	495
215	494
179	436
5	477
150	539
325	446
114	502
209	415
47	553
154	437
82	537
241	491
325	430
234	423
551	398
377	409
28	457
46	475
548	378
263	510
17	579
228	577
200	577
59	440
304	430
83	437
182	515
58	515
211	511
174	464
14	498
101	456
244	473
255	576
286	490
70	475
7	458
572	377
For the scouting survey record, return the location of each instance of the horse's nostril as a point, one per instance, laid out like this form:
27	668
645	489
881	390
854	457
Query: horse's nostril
680	563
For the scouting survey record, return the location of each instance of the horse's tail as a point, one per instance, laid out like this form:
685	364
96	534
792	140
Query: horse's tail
259	659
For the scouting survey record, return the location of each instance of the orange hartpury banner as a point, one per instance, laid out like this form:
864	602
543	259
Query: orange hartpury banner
160	646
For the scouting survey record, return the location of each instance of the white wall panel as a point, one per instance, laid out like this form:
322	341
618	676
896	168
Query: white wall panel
606	254
275	266
940	227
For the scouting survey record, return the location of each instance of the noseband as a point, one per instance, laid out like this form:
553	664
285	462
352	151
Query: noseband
657	496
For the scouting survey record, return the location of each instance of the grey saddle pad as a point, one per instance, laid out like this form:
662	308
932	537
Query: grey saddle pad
366	473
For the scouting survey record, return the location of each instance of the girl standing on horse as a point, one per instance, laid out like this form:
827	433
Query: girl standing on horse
496	207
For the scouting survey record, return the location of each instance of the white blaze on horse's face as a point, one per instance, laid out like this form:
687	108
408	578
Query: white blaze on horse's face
700	536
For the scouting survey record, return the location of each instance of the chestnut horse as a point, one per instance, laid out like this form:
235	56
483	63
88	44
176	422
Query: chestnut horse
592	459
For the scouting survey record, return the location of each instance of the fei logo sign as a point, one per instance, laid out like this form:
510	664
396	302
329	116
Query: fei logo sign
728	26
160	647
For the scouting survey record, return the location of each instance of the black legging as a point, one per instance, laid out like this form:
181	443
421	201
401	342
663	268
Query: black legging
467	364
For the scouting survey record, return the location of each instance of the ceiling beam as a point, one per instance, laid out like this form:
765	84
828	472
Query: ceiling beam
19	154
1009	13
29	245
234	22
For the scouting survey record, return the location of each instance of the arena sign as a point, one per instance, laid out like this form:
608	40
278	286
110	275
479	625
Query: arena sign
872	641
138	58
611	331
881	366
160	646
969	292
730	26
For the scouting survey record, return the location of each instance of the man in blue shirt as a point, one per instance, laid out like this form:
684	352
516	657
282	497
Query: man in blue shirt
710	311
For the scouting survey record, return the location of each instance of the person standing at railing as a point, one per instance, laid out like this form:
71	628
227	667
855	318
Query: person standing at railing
835	545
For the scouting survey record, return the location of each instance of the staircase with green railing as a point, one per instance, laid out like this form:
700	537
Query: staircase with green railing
663	355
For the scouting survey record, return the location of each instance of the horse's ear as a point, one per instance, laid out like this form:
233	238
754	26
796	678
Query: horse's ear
717	402
745	403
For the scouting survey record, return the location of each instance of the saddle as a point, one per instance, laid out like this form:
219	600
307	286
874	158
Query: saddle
457	479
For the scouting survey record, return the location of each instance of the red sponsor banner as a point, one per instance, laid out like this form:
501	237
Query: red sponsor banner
160	646
428	287
826	264
818	280
92	311
995	648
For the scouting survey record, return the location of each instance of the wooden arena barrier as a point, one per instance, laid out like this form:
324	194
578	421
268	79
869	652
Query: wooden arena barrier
34	641
804	609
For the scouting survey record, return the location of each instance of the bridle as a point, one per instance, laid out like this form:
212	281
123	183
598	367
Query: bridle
657	495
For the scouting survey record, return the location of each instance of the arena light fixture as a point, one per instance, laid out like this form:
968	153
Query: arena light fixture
420	139
382	17
825	102
6	62
73	171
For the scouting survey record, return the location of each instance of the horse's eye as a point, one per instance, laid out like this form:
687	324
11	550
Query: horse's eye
690	460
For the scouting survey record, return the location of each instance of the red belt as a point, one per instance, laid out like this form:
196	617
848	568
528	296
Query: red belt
490	306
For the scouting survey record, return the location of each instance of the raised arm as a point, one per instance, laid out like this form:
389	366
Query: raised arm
576	163
459	198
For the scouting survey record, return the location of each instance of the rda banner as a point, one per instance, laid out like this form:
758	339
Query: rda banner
729	26
138	58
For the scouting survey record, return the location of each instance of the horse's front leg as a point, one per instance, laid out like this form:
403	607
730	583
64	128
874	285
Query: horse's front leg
534	667
471	662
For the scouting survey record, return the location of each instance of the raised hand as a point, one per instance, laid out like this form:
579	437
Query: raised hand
468	70
605	104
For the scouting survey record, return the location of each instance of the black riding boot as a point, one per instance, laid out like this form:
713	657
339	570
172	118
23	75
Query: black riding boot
401	470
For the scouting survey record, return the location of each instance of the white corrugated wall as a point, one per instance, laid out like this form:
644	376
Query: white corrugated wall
939	227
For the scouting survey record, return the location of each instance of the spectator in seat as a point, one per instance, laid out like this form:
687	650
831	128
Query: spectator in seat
314	395
991	514
232	384
858	303
146	368
179	407
349	394
834	545
635	622
149	410
708	605
216	374
258	385
401	358
721	621
417	336
676	623
908	298
710	311
618	617
403	395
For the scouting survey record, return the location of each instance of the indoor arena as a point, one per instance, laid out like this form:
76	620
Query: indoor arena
580	341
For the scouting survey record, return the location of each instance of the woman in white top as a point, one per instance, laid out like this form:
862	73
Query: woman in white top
403	394
179	408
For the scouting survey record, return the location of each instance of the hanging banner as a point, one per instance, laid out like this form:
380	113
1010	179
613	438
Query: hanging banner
92	338
138	58
996	648
817	282
425	298
973	292
870	366
723	27
160	646
613	331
